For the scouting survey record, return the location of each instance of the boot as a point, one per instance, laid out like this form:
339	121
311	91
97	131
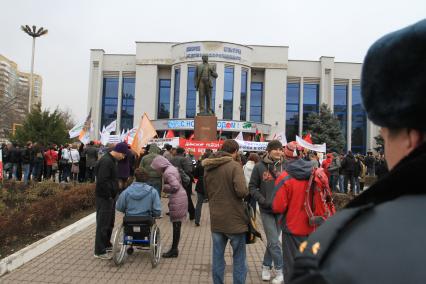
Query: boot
174	252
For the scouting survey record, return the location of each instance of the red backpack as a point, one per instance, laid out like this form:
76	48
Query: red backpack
318	199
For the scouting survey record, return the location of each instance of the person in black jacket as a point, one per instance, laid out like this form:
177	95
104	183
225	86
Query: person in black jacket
199	188
348	168
185	164
106	191
262	189
27	157
379	236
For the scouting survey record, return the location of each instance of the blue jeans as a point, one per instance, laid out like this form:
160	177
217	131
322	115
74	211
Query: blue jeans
273	250
238	244
26	170
357	186
198	207
333	182
341	181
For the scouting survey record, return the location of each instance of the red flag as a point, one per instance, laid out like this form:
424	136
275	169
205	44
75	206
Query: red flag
191	137
170	134
262	139
255	135
308	138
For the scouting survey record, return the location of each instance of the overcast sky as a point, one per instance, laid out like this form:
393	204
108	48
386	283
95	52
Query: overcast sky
311	28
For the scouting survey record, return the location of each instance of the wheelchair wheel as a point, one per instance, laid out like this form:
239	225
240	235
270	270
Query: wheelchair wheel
119	249
155	245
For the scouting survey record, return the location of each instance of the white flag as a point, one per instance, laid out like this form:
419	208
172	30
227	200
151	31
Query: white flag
75	131
314	147
239	136
280	137
112	126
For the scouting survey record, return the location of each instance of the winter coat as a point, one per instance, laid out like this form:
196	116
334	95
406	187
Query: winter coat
51	156
379	236
15	156
27	156
248	170
139	199
262	182
199	175
91	153
348	164
106	177
74	157
370	161
178	200
335	165
326	164
184	163
226	188
290	197
147	161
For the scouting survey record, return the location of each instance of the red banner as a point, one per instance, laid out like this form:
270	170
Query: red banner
199	147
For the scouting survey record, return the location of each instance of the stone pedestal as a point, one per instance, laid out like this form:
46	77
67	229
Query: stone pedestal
205	128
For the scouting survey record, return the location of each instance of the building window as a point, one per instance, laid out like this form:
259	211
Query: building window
176	94
310	101
341	107
127	103
359	122
109	101
163	99
191	99
243	106
228	93
292	110
256	101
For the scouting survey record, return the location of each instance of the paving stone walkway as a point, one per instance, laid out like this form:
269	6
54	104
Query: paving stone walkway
72	261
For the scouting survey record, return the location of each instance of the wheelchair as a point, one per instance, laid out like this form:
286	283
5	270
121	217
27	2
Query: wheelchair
139	232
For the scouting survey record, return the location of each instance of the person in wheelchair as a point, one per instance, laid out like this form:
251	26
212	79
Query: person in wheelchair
139	199
141	204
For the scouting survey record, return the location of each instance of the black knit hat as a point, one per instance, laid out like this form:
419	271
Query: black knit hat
393	84
273	145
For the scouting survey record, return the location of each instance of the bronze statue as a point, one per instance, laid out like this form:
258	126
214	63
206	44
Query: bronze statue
204	85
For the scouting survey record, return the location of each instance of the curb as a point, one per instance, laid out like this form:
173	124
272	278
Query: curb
26	254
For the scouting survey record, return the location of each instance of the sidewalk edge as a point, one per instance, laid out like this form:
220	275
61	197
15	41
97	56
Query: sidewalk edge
26	254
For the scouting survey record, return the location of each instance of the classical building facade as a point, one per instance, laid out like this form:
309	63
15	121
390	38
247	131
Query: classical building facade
14	95
258	89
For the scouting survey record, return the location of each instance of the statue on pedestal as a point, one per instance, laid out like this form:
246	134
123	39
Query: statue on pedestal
204	85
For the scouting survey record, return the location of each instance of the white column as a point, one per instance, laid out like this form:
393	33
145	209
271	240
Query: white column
172	91
120	101
220	86
248	94
237	93
273	102
183	90
301	107
349	125
95	89
146	92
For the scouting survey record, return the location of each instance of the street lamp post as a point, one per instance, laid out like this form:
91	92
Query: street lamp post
34	33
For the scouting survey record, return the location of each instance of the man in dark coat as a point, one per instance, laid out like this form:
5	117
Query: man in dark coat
226	188
185	164
348	169
106	190
379	237
91	153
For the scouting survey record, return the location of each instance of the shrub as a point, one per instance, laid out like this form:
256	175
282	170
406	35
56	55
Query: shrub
49	205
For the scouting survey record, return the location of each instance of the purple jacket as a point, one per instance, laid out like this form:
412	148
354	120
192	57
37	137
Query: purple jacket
178	201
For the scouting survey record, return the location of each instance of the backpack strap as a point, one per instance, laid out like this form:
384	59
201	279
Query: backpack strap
307	265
